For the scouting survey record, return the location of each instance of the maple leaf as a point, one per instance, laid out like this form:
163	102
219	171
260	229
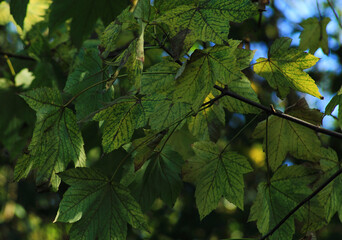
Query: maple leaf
216	174
98	207
314	35
56	139
204	69
202	20
286	137
163	168
287	188
283	69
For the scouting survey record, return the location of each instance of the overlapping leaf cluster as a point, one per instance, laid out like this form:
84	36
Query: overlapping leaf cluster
141	111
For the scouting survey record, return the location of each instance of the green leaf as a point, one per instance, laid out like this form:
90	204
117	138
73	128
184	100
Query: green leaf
203	70
159	178
56	139
283	69
336	100
121	118
314	35
288	137
242	87
216	174
79	10
87	70
287	188
18	10
331	196
207	20
98	207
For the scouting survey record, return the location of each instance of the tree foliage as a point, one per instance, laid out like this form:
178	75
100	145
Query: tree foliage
135	103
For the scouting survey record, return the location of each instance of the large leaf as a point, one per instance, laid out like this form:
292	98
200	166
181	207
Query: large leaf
283	69
121	118
336	100
206	20
87	70
159	177
216	174
79	10
287	188
286	137
98	207
314	35
56	138
203	70
331	196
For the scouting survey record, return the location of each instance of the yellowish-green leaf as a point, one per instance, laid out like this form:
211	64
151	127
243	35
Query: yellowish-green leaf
314	35
283	69
98	207
216	174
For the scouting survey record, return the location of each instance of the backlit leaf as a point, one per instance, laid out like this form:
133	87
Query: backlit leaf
216	175
314	35
283	69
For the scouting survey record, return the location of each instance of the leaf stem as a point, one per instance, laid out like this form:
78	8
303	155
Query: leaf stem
335	13
308	198
278	113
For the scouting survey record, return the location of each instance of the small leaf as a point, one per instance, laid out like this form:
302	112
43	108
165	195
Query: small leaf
216	174
98	207
314	35
283	69
336	100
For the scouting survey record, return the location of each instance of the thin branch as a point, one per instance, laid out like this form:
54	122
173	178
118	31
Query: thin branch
308	198
335	13
278	113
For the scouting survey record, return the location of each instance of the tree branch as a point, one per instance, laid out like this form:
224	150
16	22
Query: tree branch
278	113
17	56
308	198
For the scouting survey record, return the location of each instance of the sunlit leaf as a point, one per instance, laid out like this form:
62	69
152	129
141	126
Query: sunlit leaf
283	69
